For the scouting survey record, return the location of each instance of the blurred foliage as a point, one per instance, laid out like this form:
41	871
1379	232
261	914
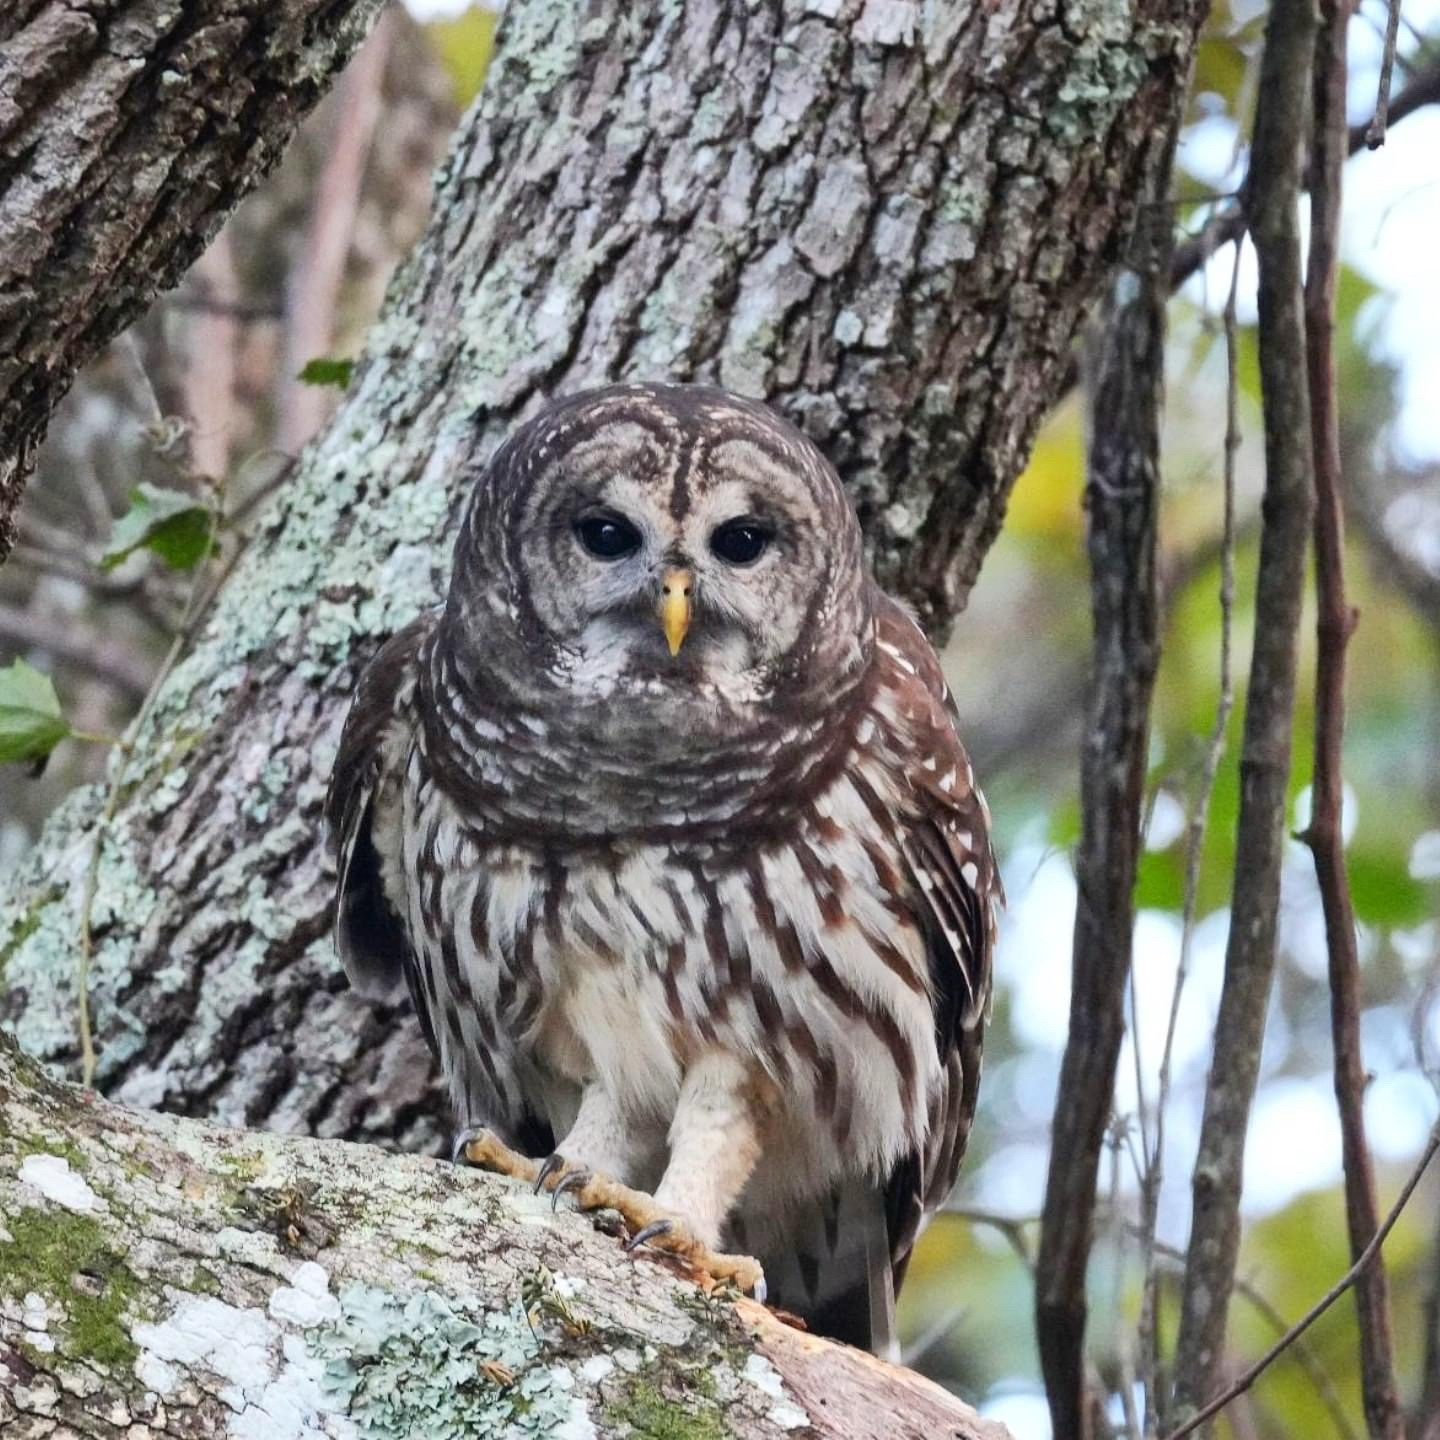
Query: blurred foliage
31	724
464	44
168	522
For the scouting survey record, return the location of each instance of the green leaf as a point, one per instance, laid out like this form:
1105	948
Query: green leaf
464	43
169	522
327	372
31	724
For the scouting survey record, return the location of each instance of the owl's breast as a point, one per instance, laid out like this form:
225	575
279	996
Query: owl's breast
621	963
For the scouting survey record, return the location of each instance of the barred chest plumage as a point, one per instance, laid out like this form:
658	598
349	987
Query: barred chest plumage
792	945
664	820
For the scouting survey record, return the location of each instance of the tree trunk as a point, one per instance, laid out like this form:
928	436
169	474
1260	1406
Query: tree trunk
886	218
129	129
163	1277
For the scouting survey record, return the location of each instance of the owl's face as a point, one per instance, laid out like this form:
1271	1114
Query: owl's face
665	542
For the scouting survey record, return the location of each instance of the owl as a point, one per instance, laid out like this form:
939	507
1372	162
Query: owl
663	820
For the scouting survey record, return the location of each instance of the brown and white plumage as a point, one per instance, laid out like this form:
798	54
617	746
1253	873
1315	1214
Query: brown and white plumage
717	922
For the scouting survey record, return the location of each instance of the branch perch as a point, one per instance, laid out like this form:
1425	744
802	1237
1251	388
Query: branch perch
161	1276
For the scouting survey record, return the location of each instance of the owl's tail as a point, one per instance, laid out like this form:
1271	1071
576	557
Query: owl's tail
830	1264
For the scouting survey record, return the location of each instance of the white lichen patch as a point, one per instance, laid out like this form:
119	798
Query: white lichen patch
307	1299
35	1320
766	1378
261	1371
52	1177
788	1417
596	1368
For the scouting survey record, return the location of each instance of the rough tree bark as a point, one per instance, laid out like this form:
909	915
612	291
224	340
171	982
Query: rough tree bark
164	1277
886	218
129	129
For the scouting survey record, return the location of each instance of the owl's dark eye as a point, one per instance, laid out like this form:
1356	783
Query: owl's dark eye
608	537
740	542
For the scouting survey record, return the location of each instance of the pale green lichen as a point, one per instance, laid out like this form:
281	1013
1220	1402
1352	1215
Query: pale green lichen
430	1365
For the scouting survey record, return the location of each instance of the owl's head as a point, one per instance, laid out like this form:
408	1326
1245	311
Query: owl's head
662	541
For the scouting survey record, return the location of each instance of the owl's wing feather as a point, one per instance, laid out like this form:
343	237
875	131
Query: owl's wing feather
362	810
957	891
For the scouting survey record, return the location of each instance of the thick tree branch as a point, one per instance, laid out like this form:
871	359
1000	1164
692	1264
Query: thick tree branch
1272	203
128	131
1122	503
1335	622
162	1277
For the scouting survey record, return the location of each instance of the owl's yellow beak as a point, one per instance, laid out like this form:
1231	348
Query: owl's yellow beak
674	608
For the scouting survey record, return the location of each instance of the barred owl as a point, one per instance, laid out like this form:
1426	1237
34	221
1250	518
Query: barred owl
663	819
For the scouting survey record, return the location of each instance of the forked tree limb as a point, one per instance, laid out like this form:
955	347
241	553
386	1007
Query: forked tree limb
1420	90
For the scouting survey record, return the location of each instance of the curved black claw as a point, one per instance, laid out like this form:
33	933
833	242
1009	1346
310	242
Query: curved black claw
548	1166
462	1140
570	1180
649	1232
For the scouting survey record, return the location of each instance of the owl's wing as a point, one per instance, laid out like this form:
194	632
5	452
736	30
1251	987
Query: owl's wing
363	811
958	892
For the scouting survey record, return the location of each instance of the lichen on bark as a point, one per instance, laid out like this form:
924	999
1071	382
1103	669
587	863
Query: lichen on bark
161	1277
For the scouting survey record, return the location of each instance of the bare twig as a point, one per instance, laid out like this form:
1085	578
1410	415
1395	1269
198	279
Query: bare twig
1149	1338
1122	500
1427	1414
1335	622
207	304
1300	1350
1274	190
1362	1263
1422	88
1375	131
1013	1228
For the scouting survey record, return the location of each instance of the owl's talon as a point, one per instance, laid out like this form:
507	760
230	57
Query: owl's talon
463	1140
481	1149
570	1180
548	1166
649	1232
